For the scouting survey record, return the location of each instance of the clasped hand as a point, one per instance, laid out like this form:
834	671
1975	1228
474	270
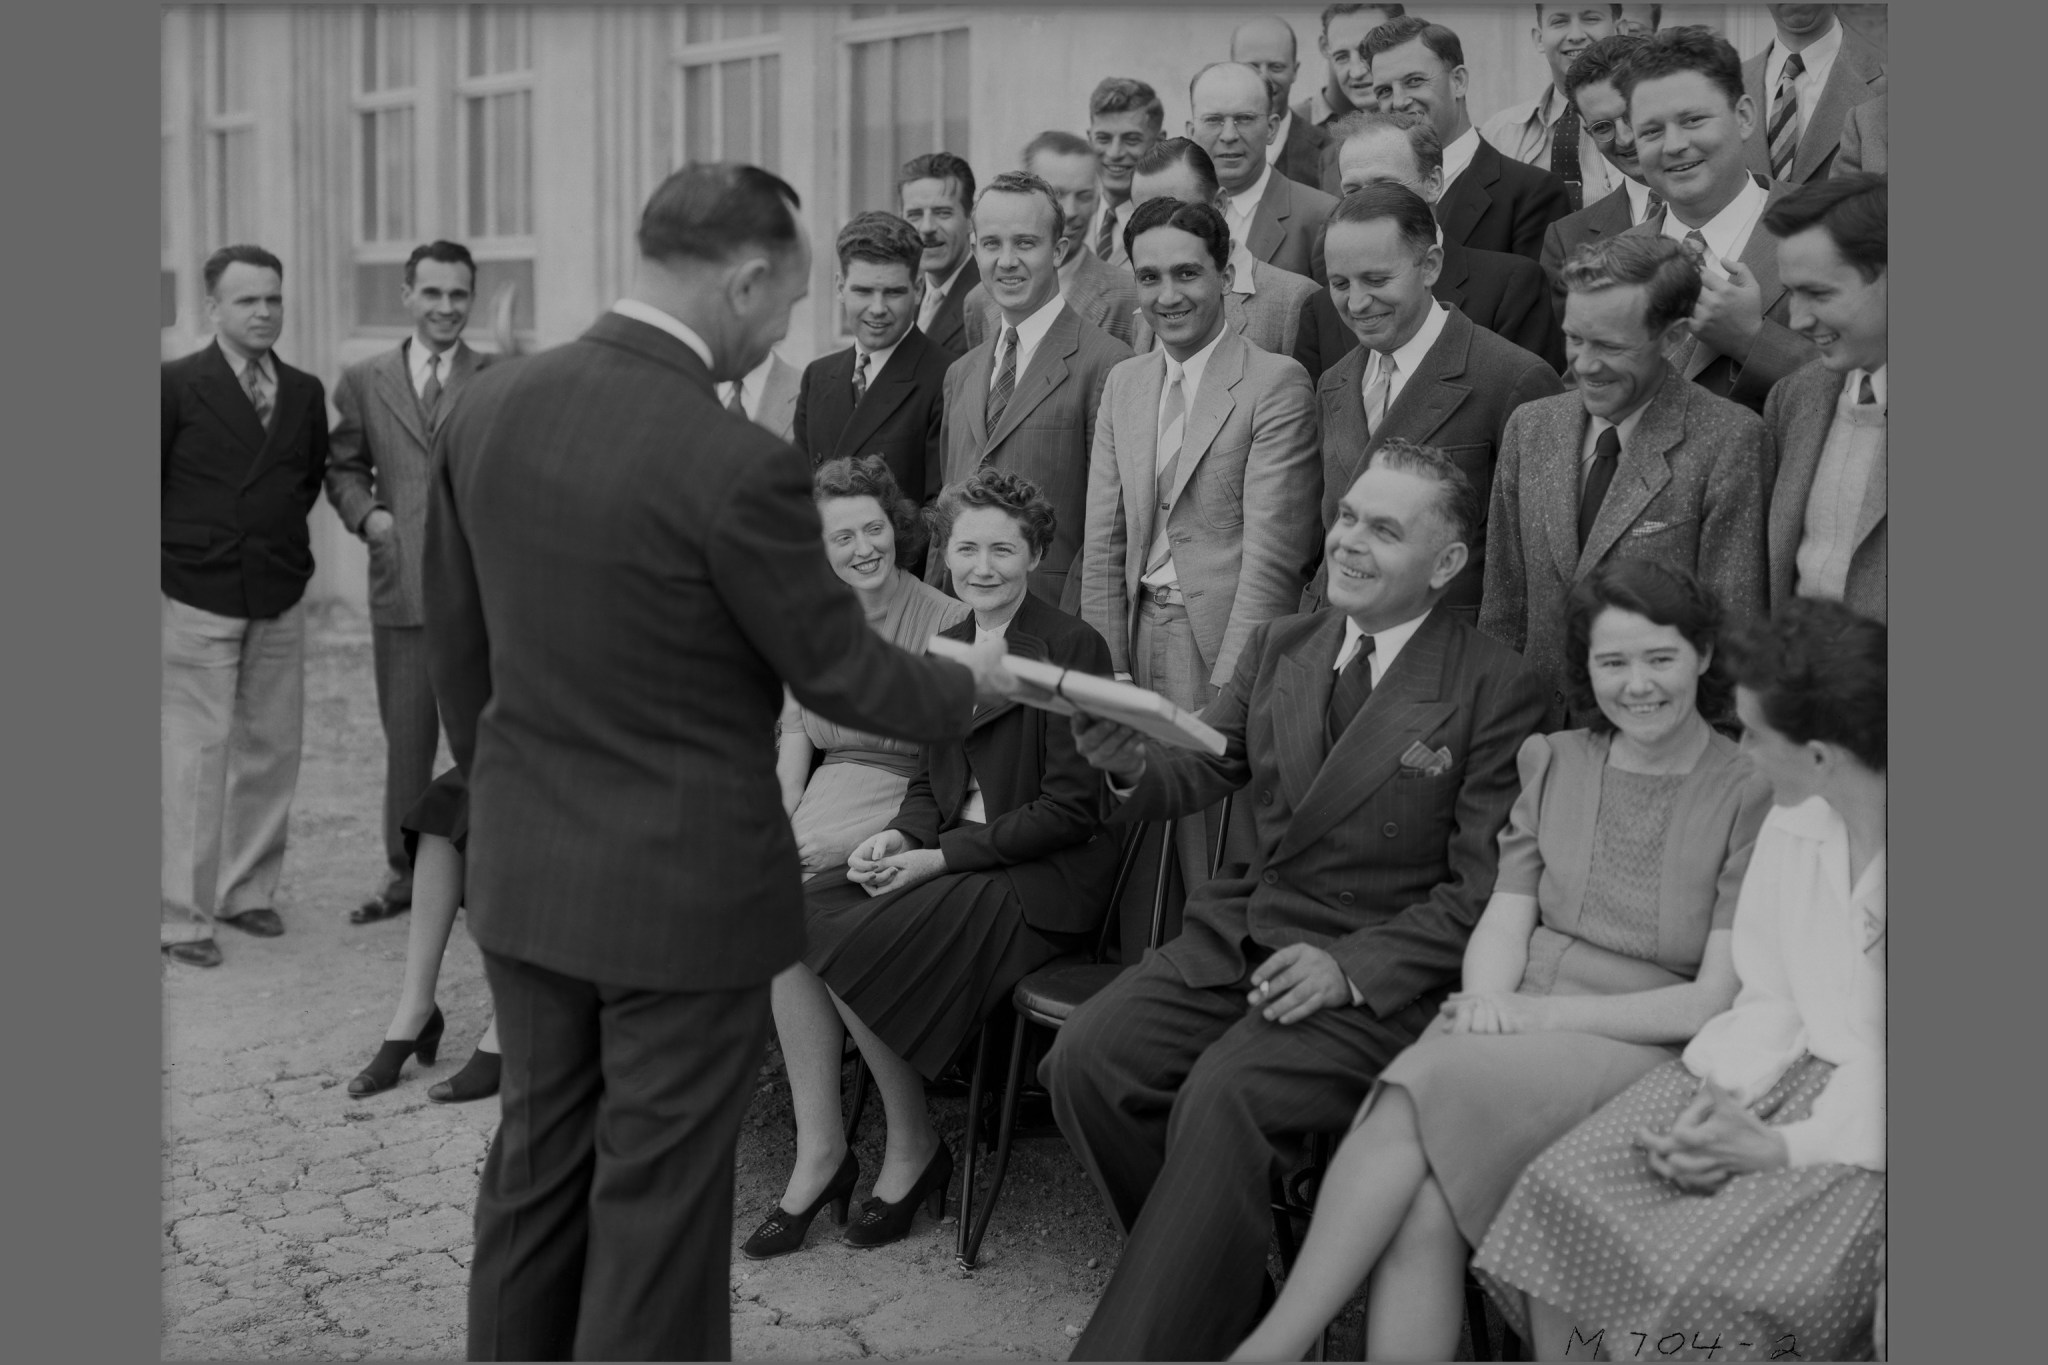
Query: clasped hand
1714	1140
1730	311
1115	749
1494	1012
886	862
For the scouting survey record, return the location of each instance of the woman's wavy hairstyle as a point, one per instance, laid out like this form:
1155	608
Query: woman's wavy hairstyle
1005	492
1663	596
868	476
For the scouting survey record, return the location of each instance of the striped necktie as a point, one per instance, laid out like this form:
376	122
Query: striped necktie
860	378
1105	236
1173	423
1005	382
1376	394
259	396
430	393
1785	118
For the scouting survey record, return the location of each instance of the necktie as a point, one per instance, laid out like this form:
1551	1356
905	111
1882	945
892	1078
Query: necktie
1172	434
735	404
1606	454
1654	206
1354	685
929	309
430	396
1105	236
1005	381
1376	394
1785	118
1868	394
1564	154
1695	245
860	378
252	384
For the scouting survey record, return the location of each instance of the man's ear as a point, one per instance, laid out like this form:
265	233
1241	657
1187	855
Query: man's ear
1449	561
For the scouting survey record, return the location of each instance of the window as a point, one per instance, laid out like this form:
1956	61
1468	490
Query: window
907	86
496	91
386	96
728	85
230	132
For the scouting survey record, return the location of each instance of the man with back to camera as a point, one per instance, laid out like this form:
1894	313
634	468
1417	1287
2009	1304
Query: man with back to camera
1804	85
378	478
1690	117
1489	201
244	448
1279	221
1266	44
1502	292
621	577
1589	83
936	194
1422	372
1125	119
1348	87
1547	131
1099	292
1828	524
1025	399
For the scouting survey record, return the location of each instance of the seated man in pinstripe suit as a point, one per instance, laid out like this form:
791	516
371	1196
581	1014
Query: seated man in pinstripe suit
1376	739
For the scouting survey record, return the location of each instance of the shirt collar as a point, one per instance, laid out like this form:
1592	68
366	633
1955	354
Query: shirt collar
1458	155
1877	381
1192	369
947	287
654	317
1032	330
417	354
264	365
1409	355
1320	110
1626	427
1638	198
1386	644
1246	203
1242	266
1727	232
878	360
750	385
1279	142
1814	59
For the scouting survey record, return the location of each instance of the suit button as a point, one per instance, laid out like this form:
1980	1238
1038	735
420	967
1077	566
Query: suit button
1272	879
1390	829
1345	898
1265	798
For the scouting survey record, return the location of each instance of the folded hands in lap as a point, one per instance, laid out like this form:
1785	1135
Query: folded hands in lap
886	862
1495	1012
1714	1140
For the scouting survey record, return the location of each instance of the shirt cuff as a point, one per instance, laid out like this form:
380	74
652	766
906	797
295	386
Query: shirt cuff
1119	790
1357	996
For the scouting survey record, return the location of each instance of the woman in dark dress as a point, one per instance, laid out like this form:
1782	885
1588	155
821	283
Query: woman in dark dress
994	864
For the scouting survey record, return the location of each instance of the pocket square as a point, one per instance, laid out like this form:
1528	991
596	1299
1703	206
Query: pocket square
1649	528
1422	762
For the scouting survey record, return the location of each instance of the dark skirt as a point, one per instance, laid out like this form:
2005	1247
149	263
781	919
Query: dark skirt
443	809
923	967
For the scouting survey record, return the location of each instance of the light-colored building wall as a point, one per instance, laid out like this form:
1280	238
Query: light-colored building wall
610	107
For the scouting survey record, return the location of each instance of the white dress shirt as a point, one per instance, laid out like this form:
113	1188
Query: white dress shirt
1190	374
1457	156
1240	207
417	355
1727	232
1817	58
1638	199
935	295
1627	429
1243	280
1407	357
1030	332
1525	132
975	811
1386	645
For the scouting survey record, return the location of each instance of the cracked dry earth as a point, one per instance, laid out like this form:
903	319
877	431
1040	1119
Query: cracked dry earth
300	1223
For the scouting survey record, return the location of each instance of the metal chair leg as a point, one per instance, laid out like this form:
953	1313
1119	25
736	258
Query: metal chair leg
1012	1084
971	1140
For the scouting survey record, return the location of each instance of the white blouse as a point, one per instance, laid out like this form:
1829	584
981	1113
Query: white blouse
1809	950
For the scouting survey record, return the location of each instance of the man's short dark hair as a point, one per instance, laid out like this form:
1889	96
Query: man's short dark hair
217	264
1670	51
1818	672
1601	62
1202	220
1420	132
1059	142
1539	11
1851	208
1407	210
447	253
1023	182
1339	11
882	238
1409	27
1667	272
712	210
1457	500
1126	95
1180	151
943	167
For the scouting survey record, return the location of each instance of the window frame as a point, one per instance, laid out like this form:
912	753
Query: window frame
850	33
219	125
472	96
713	54
363	103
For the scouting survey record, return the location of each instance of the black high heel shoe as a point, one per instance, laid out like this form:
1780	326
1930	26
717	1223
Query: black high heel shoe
382	1072
782	1232
881	1223
477	1080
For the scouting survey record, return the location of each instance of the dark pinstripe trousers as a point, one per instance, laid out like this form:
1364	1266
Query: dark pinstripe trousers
1180	1102
405	705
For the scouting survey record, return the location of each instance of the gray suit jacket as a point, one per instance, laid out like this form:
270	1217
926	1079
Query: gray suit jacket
1458	400
1242	518
1856	77
1287	230
1602	218
1863	138
778	398
1102	294
1269	317
1044	434
1799	413
1688	492
382	457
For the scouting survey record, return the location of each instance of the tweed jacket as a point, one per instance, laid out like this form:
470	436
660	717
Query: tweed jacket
1799	414
1604	217
1863	139
1044	434
1242	519
1688	492
383	457
1102	294
1458	400
1270	317
1856	78
1382	865
948	331
1499	204
898	417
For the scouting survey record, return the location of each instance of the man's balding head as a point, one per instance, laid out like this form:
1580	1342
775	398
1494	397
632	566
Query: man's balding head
1266	44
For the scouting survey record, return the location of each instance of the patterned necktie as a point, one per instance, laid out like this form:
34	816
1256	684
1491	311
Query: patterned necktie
252	384
430	395
1173	417
1564	155
1006	378
1653	206
736	404
1354	685
860	378
1785	118
1105	236
1606	454
1376	394
1695	245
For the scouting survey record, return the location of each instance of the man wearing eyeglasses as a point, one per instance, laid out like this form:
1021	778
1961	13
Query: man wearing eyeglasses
1279	221
1589	83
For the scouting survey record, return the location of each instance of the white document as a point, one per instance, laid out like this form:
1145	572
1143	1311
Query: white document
1052	688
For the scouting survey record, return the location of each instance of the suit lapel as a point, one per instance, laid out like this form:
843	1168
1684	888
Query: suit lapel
1208	412
394	387
1760	253
1460	211
1430	396
1642	473
220	390
1450	284
973	409
1344	433
1138	468
1856	66
1302	682
294	393
1268	229
1557	477
1048	368
887	392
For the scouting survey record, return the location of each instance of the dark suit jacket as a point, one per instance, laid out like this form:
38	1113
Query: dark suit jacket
948	330
1688	493
1602	218
382	457
1385	869
233	493
1799	413
1458	400
1498	204
898	418
1857	77
621	578
1046	434
1301	156
1287	229
1043	834
1863	139
1504	294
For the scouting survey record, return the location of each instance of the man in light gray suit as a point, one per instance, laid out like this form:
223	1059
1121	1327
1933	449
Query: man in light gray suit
766	395
1633	464
1025	399
1261	303
1278	220
1814	71
1203	484
377	479
1863	139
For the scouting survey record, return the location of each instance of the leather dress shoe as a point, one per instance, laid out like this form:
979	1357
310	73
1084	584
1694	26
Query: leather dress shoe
203	952
376	908
263	922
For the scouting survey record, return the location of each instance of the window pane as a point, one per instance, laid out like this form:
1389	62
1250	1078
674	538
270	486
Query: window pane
873	150
479	161
698	24
771	111
737	100
397	48
511	116
771	19
953	78
479	19
493	276
231	86
697	115
916	133
369	27
233	213
398	174
371	198
740	21
509	51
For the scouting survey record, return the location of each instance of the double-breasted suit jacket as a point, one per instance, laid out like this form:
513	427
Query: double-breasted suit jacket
1856	78
1799	414
1269	317
1458	400
1242	502
1102	294
1045	434
1688	492
1500	204
898	417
